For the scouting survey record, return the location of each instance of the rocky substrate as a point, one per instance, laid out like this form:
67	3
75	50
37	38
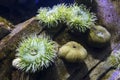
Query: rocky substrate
91	69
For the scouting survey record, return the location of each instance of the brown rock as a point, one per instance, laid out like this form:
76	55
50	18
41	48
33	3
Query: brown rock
5	27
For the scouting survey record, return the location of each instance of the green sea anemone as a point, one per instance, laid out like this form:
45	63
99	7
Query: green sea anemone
81	18
62	12
51	17
76	17
34	53
47	17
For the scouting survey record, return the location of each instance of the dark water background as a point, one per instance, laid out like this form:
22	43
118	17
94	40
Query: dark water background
18	11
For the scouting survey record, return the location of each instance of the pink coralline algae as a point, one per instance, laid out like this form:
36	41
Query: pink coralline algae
106	8
115	75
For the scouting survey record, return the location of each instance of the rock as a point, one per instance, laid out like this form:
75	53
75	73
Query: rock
100	72
107	75
116	5
62	70
3	32
72	52
108	15
5	27
82	71
98	37
91	69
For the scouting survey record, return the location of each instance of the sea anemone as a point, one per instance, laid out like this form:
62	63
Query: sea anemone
62	12
98	36
72	52
34	54
51	17
81	18
47	17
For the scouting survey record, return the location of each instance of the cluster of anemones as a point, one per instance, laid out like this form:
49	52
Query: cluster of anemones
76	17
50	18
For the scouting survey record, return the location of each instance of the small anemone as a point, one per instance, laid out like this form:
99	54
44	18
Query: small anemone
34	54
47	17
62	11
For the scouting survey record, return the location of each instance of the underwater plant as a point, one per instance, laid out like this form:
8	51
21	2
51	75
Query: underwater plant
72	52
34	54
81	18
98	36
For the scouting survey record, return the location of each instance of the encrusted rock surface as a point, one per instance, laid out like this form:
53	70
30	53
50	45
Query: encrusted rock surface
61	70
91	69
109	15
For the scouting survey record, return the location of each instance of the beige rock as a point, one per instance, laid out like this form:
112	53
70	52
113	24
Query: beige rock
72	52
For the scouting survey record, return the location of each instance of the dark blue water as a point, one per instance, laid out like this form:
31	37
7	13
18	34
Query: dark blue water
20	10
52	2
